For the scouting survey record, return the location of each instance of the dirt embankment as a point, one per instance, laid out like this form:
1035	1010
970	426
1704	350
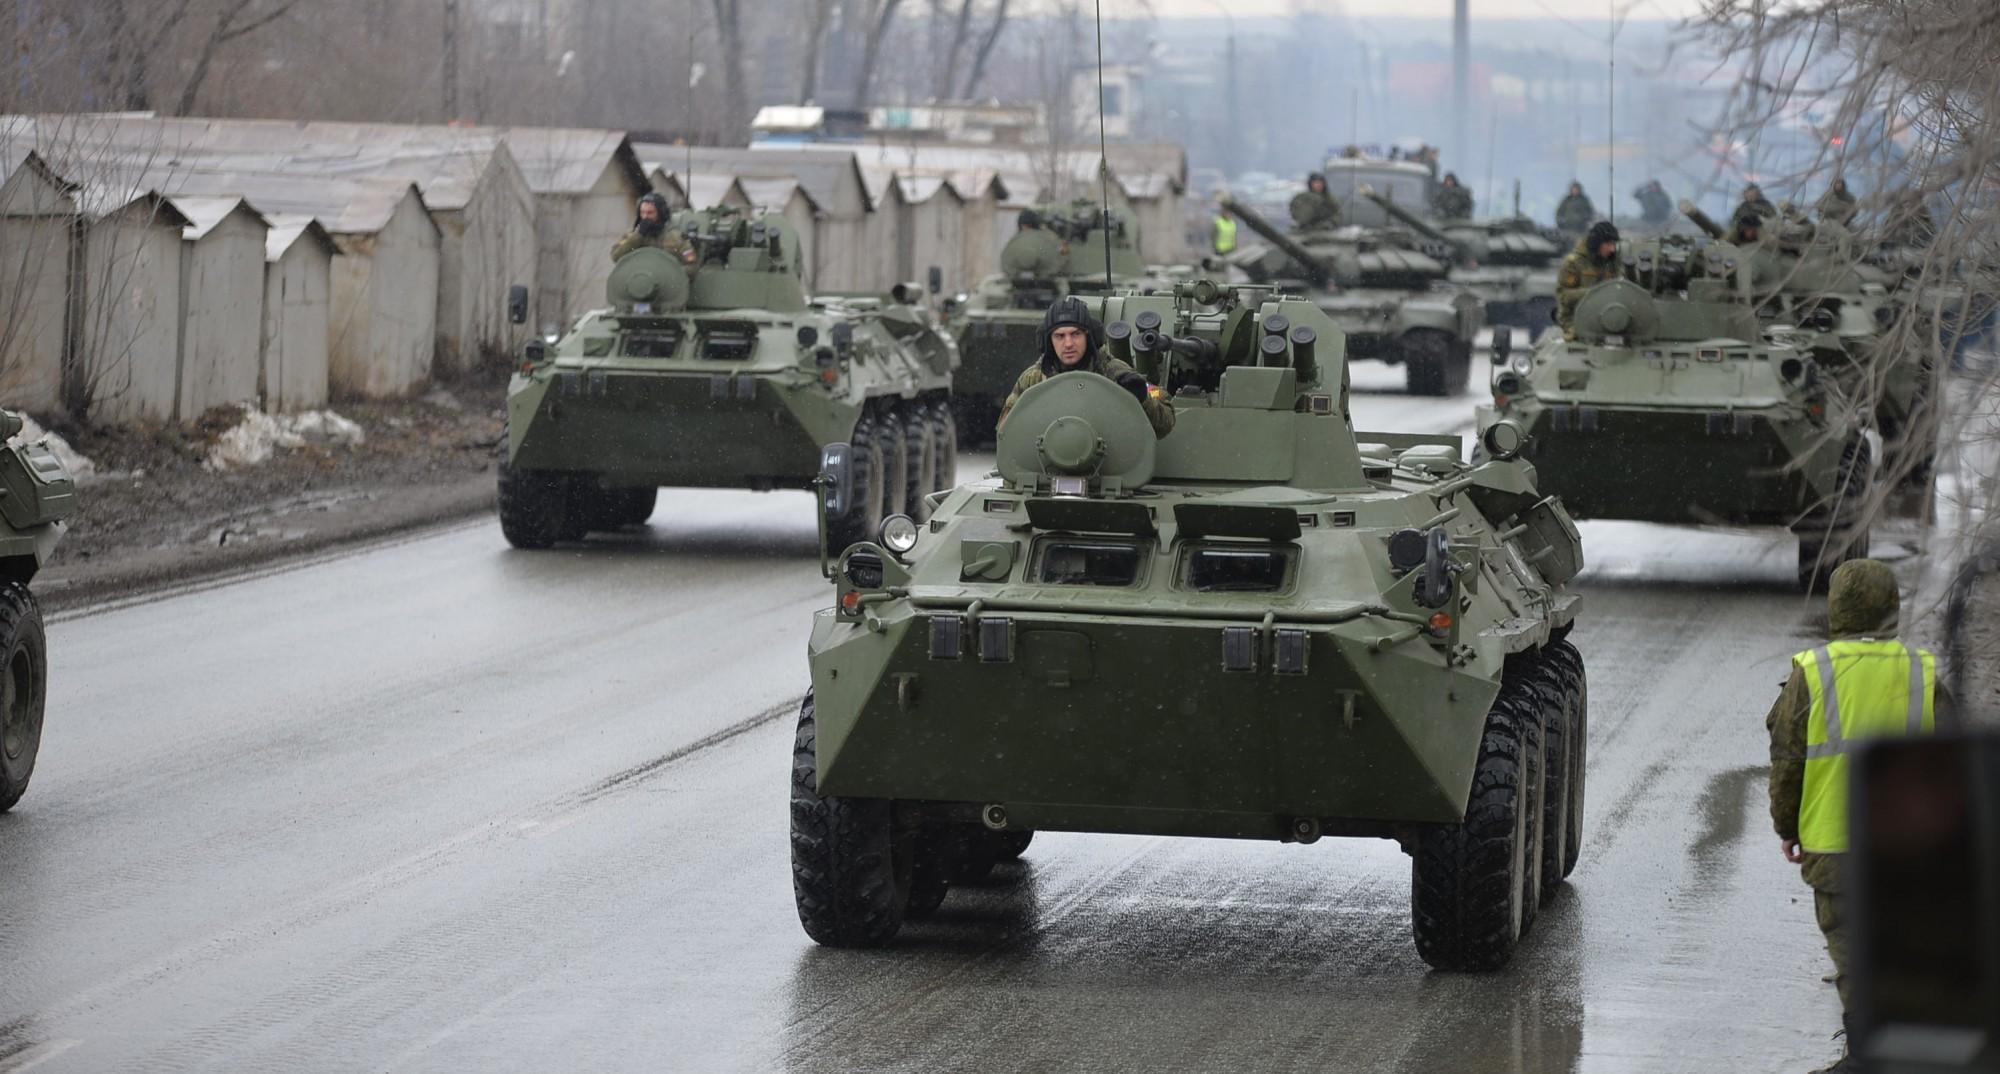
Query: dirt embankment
156	515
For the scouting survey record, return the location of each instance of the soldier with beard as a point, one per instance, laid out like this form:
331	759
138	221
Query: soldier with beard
649	229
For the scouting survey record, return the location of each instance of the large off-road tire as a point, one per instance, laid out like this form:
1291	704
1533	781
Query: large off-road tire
1839	532
24	673
944	433
920	455
1467	883
534	506
863	518
629	506
1434	363
1575	682
1012	844
1535	783
930	875
847	879
1561	672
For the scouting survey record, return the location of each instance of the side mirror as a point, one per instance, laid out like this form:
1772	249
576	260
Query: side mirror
1503	343
834	488
936	279
517	304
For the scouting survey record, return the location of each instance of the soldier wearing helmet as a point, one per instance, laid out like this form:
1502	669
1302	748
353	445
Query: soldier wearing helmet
1313	209
1072	341
1594	261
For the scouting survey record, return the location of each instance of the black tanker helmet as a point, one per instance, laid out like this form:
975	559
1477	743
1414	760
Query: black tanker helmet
1600	233
1069	312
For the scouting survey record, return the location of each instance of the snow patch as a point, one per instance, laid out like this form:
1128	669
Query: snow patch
252	441
81	469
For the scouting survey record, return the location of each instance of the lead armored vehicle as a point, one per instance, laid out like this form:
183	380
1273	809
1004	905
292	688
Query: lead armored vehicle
1670	406
1078	249
1385	294
36	497
715	370
1262	626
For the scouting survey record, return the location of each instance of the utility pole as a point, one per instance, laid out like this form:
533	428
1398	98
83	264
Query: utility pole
1461	76
450	60
1232	141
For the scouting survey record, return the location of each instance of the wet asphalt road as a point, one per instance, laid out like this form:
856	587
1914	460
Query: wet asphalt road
440	806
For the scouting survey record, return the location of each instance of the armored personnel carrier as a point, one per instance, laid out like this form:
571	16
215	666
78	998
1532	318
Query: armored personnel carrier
1815	291
715	370
1389	298
1669	405
1509	264
38	496
1262	626
996	325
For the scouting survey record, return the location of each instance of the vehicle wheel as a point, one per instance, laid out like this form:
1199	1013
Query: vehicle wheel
974	855
1558	674
586	509
863	518
892	445
1012	844
921	453
1535	784
534	506
929	879
630	507
1576	744
1433	365
944	433
1466	881
849	885
24	671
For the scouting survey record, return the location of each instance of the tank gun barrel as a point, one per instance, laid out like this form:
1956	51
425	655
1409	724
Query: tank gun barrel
1319	272
1701	219
1412	221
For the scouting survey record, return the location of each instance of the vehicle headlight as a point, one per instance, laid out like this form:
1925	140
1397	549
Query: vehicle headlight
899	533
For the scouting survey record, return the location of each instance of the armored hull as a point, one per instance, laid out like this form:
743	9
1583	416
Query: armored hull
37	498
1261	626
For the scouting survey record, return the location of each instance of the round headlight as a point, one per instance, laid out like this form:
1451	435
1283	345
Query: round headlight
1503	439
1523	361
899	533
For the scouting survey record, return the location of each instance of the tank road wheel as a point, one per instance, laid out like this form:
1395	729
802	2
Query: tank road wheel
849	885
921	452
944	433
1434	363
1012	844
534	506
864	516
1466	882
891	445
24	671
1831	537
1569	752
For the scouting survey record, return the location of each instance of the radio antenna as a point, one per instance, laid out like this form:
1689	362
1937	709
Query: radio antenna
1611	108
1103	149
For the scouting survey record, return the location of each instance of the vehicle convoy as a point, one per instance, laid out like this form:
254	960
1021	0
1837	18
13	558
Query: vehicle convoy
36	497
1669	405
1261	626
1815	291
1071	252
1390	299
1510	264
715	370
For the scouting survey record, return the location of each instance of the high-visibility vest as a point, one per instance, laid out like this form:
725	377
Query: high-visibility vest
1225	235
1860	690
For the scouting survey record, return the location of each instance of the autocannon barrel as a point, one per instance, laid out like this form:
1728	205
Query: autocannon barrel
1701	219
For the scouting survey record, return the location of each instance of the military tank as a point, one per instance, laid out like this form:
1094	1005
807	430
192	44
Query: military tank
1671	406
36	497
1509	264
1390	299
1262	626
1815	291
996	324
715	370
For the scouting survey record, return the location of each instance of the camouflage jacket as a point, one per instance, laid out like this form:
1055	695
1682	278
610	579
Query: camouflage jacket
1575	214
1312	212
1838	207
1579	273
1767	213
1866	609
1158	410
1452	203
670	241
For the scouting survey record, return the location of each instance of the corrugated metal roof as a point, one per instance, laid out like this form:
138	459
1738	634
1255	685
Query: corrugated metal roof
820	172
918	189
289	228
708	190
775	193
206	212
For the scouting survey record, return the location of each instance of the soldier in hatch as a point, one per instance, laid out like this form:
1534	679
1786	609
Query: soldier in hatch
1451	200
1838	204
650	229
1594	261
1754	203
1313	209
1073	341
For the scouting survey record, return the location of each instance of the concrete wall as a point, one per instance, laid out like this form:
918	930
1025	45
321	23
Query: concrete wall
485	247
131	318
297	309
935	235
34	290
223	272
384	295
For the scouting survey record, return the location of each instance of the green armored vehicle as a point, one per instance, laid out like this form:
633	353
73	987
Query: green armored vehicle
1509	264
1815	291
715	370
36	496
1068	250
1669	405
1388	297
1262	626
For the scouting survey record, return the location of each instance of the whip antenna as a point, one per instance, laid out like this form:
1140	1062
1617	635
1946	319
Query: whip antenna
1611	109
1103	152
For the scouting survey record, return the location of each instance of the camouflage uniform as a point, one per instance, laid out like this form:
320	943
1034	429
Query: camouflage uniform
1314	211
1580	272
1450	201
1760	206
1862	602
1575	213
1070	311
667	240
1655	207
1838	205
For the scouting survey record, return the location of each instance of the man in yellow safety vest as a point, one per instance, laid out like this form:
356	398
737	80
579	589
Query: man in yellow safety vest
1862	684
1223	232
